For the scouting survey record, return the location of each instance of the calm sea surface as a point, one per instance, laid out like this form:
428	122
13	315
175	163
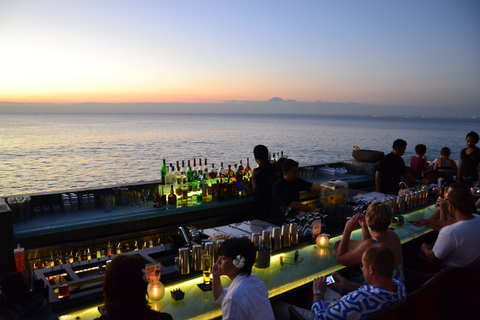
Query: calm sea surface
53	152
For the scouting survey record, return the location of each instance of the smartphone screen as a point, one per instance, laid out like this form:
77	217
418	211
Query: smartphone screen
330	280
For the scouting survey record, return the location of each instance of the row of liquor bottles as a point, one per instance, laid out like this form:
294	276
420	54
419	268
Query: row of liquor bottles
87	254
193	185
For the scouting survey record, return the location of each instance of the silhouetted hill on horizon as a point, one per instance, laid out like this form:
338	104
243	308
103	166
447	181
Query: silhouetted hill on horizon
275	105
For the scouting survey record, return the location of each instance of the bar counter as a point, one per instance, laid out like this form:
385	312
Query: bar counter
315	262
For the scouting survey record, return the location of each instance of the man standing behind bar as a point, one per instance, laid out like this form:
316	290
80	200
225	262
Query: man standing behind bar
261	188
285	193
391	169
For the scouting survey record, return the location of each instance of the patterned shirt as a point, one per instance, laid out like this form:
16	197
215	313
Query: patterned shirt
358	304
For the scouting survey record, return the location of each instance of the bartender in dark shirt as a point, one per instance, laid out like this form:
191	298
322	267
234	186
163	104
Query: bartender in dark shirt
285	193
391	169
261	182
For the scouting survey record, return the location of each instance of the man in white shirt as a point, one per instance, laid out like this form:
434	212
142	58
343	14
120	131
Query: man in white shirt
458	244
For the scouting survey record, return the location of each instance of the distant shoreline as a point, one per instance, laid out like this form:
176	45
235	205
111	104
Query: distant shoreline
250	107
251	114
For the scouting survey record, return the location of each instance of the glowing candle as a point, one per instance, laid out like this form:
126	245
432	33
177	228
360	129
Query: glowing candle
322	240
155	290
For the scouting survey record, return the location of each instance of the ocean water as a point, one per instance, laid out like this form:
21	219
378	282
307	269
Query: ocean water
57	152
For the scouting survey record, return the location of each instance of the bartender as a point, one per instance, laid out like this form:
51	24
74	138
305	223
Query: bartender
285	193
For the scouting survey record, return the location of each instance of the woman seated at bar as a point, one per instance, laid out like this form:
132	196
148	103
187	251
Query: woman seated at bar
446	165
378	219
125	290
246	297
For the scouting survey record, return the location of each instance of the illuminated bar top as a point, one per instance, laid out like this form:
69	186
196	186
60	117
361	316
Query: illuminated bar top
278	279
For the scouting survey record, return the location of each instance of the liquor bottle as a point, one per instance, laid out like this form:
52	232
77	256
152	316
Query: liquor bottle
194	170
89	254
213	174
221	172
70	257
172	175
167	176
99	253
144	246
135	247
78	256
119	248
229	173
172	198
281	154
190	174
127	247
84	255
59	259
200	170
163	171
248	170
109	249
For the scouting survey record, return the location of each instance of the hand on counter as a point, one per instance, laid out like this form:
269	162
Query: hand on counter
420	222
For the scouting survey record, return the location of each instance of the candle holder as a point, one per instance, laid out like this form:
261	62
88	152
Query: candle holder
322	240
155	290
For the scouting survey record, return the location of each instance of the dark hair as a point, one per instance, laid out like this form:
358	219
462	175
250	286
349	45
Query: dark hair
278	166
473	135
382	258
260	152
124	288
233	247
288	165
399	143
379	216
420	149
462	199
445	151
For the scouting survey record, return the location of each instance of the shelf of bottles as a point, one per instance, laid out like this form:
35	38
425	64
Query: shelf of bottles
197	183
183	183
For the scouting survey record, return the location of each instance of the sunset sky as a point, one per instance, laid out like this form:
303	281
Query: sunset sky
411	53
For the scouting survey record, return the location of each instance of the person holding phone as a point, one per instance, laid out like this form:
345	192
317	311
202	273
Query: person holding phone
381	291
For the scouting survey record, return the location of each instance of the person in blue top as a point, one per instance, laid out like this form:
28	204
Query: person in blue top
361	300
382	290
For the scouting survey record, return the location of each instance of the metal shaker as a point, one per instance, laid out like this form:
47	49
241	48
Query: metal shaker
277	238
294	233
197	257
256	239
184	260
286	236
210	251
267	239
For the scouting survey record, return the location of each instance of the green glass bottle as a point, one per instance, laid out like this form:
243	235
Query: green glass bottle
163	171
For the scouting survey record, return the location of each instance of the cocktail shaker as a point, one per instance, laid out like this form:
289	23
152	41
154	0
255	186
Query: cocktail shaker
286	236
294	233
256	239
184	260
197	257
267	239
277	238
